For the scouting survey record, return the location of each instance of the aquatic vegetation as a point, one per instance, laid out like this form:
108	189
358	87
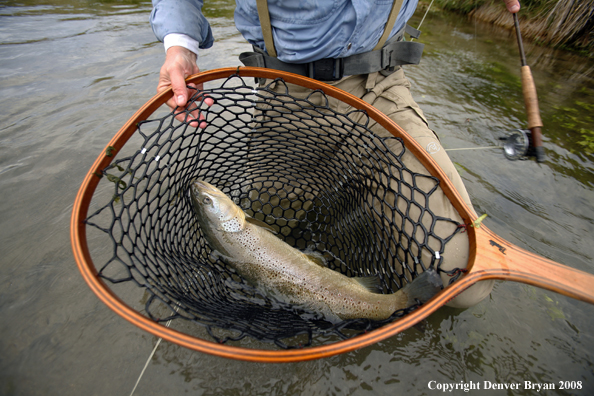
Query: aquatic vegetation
579	121
553	309
588	142
563	24
477	223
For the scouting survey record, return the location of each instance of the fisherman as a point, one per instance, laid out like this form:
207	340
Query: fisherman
334	42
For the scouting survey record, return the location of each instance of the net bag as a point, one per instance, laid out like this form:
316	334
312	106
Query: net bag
323	180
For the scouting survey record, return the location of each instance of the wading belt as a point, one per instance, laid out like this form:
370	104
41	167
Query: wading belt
385	56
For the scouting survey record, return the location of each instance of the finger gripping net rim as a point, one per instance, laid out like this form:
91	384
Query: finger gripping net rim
322	179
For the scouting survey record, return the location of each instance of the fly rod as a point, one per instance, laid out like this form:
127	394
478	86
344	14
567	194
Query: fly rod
530	99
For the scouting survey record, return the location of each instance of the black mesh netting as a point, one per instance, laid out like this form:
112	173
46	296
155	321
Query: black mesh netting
323	180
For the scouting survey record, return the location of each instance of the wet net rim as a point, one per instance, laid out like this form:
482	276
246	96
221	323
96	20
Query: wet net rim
102	290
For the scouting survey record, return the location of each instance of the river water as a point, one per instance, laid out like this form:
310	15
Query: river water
72	72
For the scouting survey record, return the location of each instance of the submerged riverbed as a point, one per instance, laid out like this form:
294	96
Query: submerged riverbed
72	73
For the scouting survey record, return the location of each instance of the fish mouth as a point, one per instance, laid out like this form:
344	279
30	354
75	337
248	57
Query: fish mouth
202	186
199	189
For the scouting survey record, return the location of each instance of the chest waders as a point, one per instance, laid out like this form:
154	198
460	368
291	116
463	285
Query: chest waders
387	54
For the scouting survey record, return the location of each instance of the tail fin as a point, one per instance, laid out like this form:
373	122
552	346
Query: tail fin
423	287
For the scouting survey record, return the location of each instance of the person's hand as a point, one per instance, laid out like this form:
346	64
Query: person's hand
179	64
513	6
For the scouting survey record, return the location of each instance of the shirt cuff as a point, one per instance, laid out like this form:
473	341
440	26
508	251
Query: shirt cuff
181	40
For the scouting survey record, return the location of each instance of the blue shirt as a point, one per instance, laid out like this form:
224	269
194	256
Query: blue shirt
303	30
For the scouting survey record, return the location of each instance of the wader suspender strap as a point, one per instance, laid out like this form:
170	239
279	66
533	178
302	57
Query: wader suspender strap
396	6
387	55
266	26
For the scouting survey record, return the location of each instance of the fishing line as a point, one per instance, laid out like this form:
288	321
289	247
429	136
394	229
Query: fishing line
472	148
475	28
422	19
147	363
475	34
150	357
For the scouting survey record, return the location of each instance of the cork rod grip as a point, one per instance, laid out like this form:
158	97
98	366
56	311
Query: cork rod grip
530	98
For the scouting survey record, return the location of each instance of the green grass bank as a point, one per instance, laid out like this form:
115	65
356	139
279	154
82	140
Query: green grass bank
557	23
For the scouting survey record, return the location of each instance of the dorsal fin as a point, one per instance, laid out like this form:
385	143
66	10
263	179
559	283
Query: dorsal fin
260	223
371	283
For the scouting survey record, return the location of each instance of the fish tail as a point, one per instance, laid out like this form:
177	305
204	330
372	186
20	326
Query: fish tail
423	287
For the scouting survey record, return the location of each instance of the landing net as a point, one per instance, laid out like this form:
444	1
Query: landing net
323	180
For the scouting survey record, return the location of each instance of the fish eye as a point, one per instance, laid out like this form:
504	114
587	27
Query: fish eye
206	200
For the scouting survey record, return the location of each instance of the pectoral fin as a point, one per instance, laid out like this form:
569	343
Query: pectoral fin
261	224
317	258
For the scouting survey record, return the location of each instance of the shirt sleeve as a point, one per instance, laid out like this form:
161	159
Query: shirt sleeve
181	40
181	17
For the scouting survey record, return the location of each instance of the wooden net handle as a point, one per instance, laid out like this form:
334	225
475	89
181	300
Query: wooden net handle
495	258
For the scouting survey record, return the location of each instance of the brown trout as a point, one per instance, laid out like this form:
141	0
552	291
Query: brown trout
289	275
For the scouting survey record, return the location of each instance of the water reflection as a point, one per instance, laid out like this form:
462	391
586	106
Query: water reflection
65	7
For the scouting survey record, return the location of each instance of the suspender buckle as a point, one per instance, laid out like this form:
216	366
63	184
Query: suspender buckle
326	69
386	58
